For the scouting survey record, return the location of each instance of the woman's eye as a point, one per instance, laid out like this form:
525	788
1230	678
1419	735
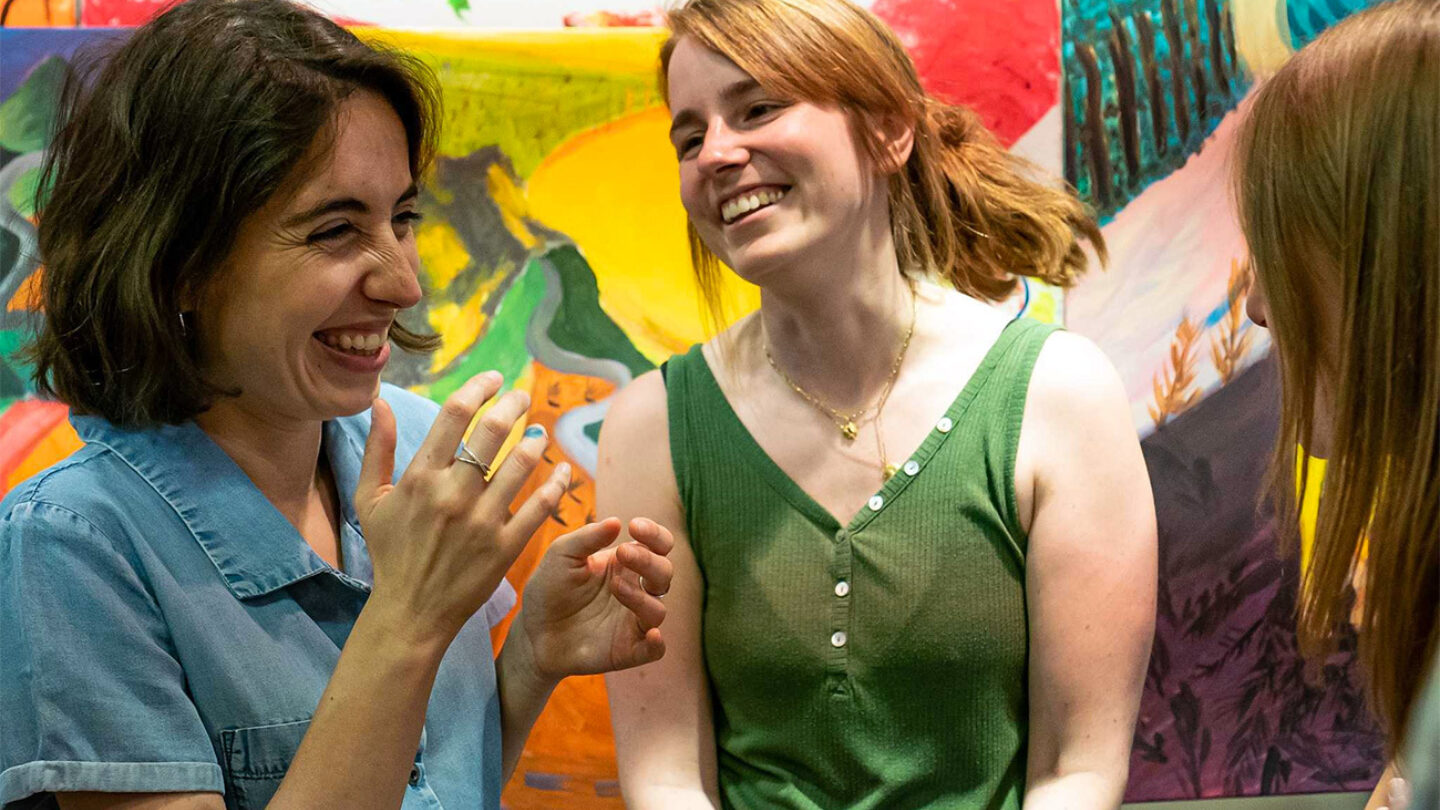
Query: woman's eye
688	145
761	109
330	234
407	219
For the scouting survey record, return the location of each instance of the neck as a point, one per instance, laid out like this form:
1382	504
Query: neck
839	338
280	457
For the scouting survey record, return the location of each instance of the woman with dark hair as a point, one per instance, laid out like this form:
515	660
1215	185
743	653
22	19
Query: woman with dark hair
258	584
1338	183
915	544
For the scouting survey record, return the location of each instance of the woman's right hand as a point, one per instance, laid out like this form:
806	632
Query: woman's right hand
443	537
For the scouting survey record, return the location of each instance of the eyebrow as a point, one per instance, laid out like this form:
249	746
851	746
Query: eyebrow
687	117
335	205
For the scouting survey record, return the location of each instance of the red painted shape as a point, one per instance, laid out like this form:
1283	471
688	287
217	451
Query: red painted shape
22	425
1000	57
120	13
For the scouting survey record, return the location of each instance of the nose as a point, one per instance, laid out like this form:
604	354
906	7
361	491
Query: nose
724	148
394	277
1255	305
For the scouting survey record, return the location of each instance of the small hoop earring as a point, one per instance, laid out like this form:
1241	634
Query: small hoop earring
184	332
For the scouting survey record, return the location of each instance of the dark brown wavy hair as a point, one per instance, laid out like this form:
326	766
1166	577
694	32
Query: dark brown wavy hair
1338	185
962	205
161	149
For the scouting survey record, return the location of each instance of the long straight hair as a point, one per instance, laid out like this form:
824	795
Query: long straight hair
962	206
1338	189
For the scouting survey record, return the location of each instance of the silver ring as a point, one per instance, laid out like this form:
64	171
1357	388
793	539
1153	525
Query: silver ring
466	456
647	590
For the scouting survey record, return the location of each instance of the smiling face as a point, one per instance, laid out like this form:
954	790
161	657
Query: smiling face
766	180
298	317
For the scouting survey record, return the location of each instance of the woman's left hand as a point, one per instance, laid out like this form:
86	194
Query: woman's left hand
592	607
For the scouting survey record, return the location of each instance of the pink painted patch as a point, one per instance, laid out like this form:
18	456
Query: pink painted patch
23	425
1000	58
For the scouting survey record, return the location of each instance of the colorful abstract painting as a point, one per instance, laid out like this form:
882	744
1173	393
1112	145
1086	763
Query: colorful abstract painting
553	248
1153	91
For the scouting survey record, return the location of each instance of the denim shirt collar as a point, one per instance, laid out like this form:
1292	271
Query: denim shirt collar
255	549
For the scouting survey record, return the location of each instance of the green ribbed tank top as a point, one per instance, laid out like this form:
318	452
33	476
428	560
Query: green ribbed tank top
879	664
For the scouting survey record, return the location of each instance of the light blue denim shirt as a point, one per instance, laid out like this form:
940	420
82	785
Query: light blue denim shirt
164	628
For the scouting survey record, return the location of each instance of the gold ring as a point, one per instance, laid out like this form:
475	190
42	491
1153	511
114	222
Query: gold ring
467	456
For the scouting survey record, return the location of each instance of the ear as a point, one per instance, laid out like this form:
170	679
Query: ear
896	139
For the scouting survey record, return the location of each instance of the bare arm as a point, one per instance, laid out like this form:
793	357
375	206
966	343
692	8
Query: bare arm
664	735
1090	578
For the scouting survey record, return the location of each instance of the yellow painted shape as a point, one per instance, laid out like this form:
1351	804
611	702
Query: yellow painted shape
601	50
56	445
1262	34
615	190
511	201
40	14
442	253
459	325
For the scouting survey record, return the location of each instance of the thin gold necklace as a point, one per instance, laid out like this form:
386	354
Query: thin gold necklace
848	423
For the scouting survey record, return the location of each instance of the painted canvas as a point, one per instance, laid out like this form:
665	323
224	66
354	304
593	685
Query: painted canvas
553	248
1152	93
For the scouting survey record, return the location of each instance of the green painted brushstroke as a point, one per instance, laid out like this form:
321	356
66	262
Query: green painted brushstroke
580	325
529	107
26	116
22	192
459	6
502	347
592	431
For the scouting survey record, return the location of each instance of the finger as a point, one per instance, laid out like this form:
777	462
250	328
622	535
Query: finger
505	484
648	608
652	535
541	504
438	449
648	649
377	467
494	428
654	569
587	539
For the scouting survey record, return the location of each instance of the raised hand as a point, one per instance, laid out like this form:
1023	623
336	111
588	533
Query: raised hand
442	538
591	607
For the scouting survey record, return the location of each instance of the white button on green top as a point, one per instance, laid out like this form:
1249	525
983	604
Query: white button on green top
837	639
842	588
911	467
876	502
944	424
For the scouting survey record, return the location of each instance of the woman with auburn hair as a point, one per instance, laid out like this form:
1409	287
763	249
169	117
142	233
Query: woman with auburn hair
914	538
1338	187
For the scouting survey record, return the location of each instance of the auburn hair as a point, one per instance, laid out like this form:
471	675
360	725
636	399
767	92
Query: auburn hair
1338	190
962	206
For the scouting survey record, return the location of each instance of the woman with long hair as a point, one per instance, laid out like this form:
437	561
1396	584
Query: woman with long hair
914	538
1338	186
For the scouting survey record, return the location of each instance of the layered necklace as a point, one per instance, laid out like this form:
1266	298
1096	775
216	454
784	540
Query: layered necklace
849	423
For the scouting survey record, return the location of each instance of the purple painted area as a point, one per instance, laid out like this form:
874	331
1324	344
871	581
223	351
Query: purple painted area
23	48
1228	708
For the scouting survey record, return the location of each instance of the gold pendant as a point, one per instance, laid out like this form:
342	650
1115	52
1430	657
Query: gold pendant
849	430
890	470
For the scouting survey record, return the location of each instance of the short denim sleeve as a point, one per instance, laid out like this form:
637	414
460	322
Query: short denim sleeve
91	691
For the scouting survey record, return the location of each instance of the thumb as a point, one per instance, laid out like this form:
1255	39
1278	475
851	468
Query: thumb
377	469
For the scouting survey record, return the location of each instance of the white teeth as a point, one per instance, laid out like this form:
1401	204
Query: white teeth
734	208
354	341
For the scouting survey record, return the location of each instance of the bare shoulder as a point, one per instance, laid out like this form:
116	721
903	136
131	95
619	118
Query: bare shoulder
635	439
639	405
1075	383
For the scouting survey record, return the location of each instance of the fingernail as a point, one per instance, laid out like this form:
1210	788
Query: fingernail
535	432
492	376
563	470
